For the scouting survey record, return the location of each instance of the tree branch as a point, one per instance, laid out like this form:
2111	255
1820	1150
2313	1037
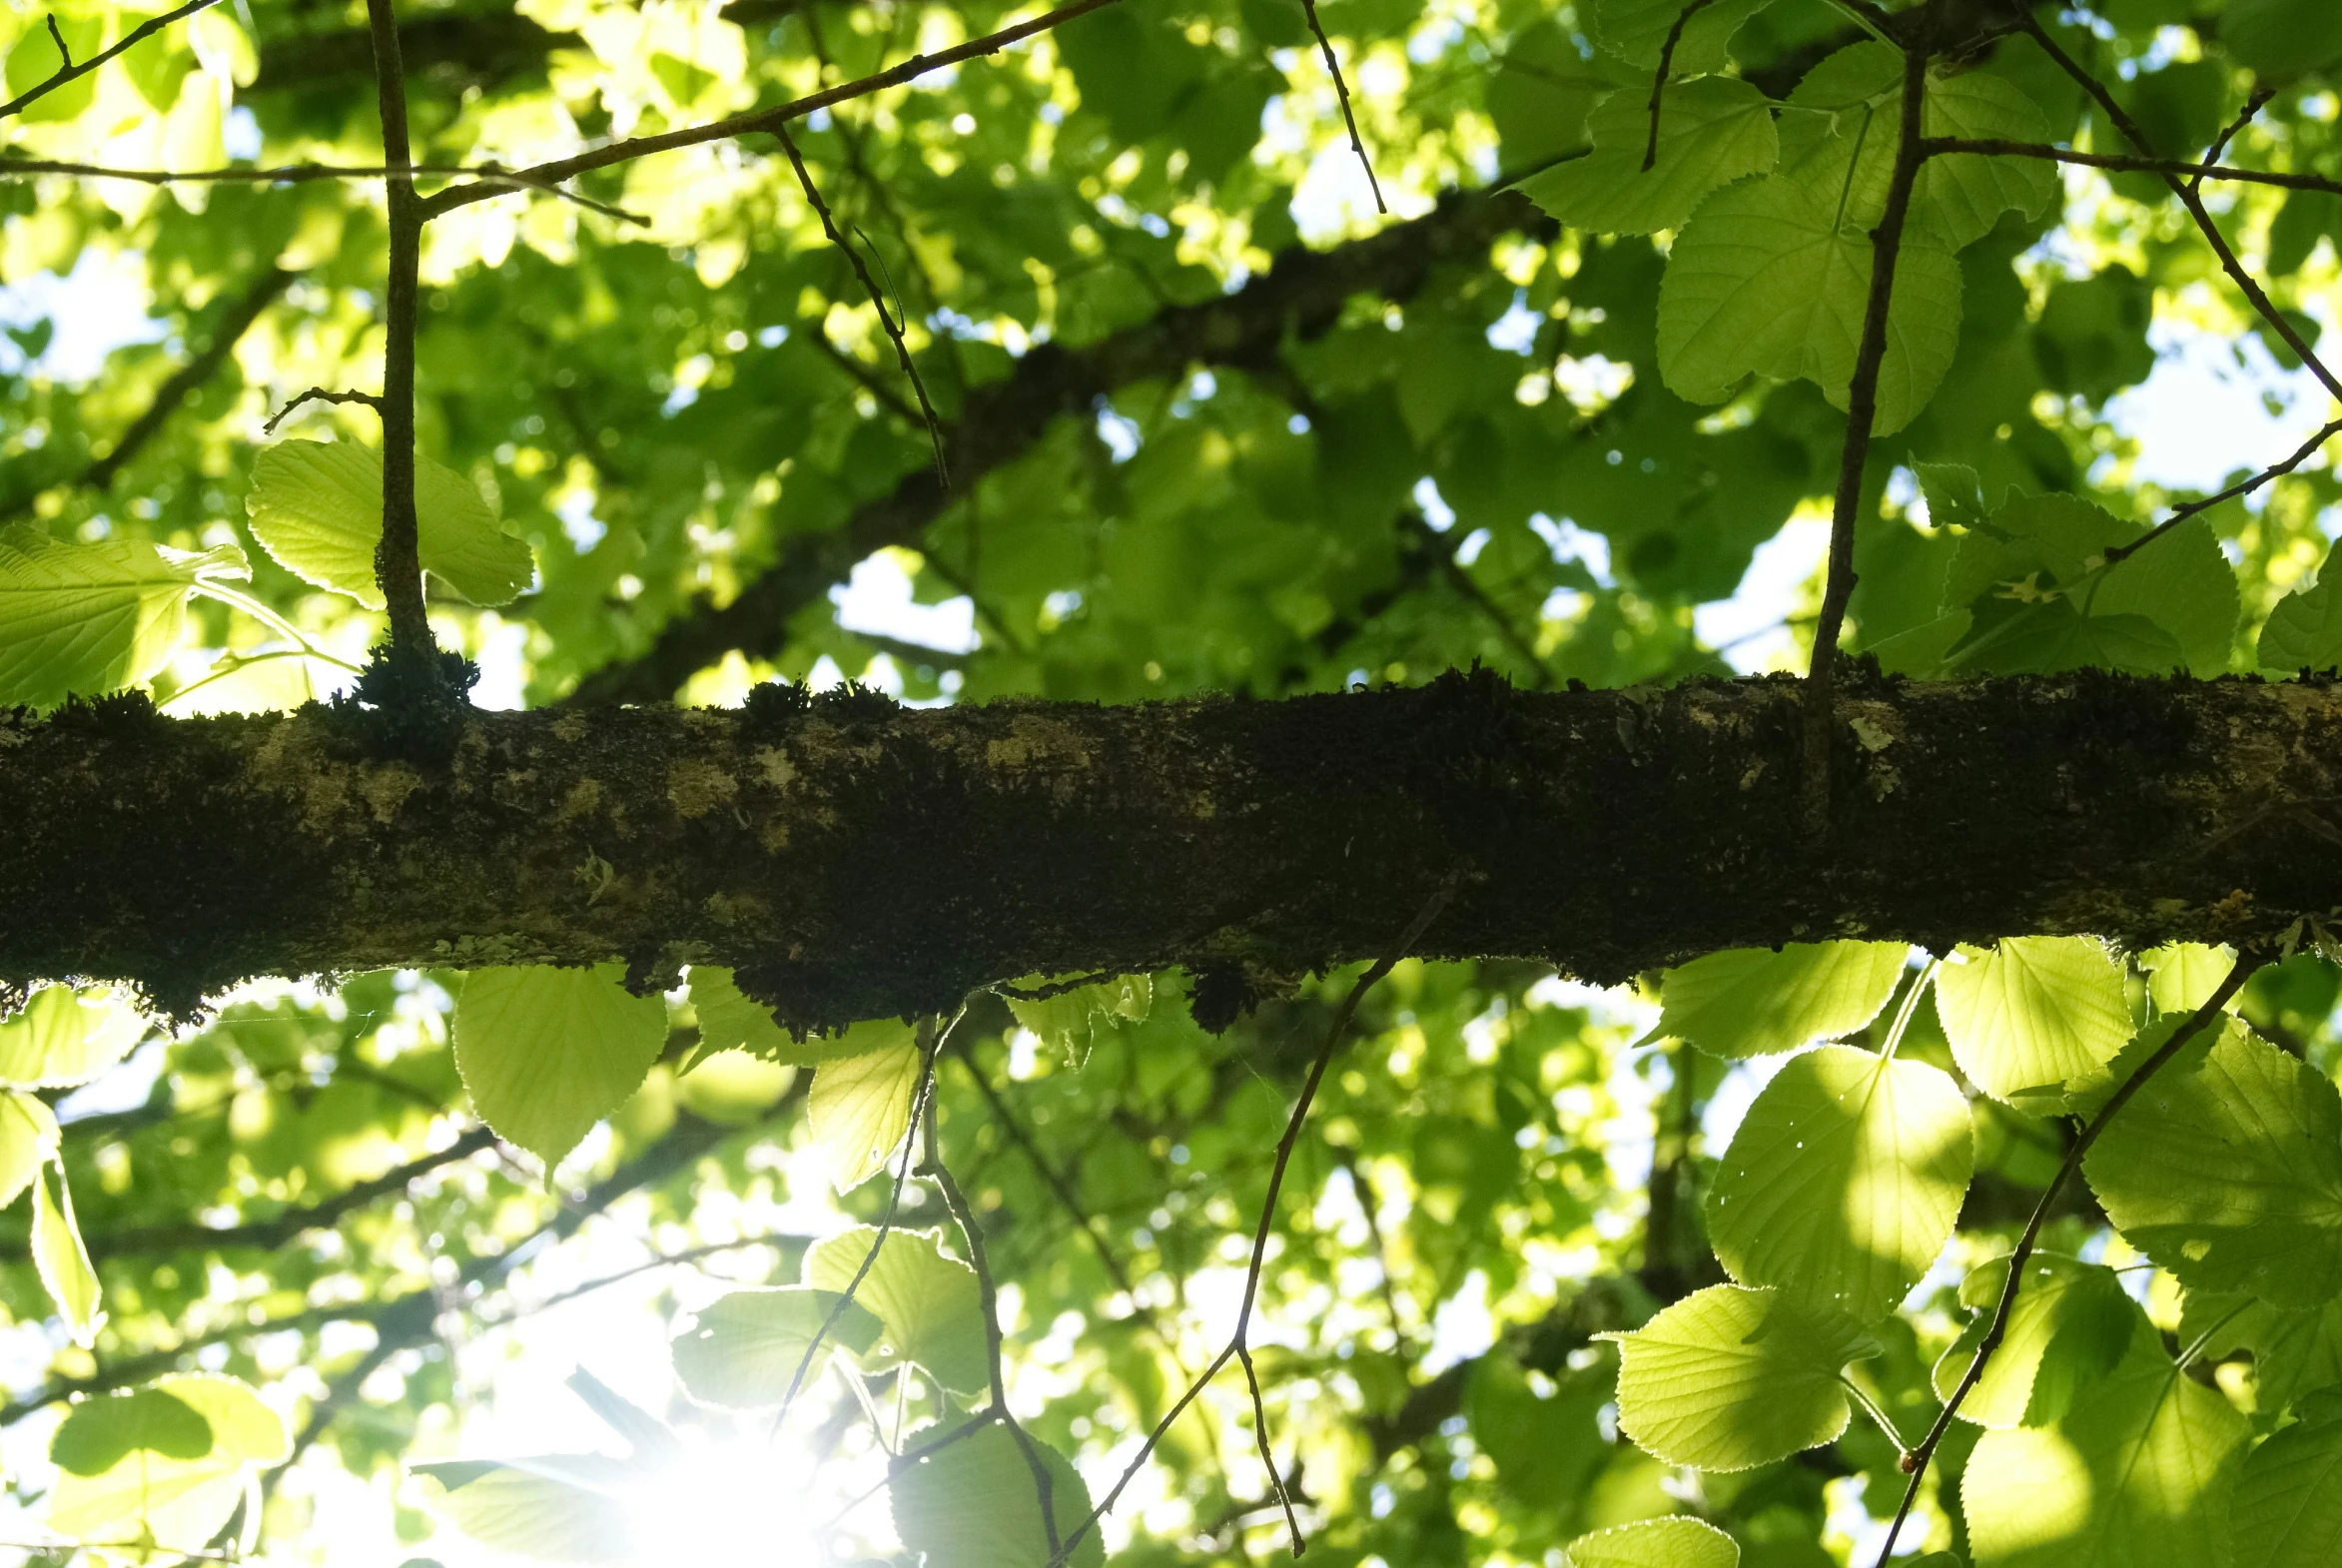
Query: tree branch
1936	146
1862	407
1303	294
72	72
301	174
398	560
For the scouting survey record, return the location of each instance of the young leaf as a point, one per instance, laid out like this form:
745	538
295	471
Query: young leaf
2137	1475
1842	1183
2032	1014
1730	1379
2068	1328
1764	280
63	1262
745	1347
547	1053
28	1137
1068	1021
728	1020
165	1466
317	507
2181	976
860	1109
66	1036
2287	1512
563	1508
976	1503
1749	1002
1711	131
2226	1168
85	620
1654	1543
926	1299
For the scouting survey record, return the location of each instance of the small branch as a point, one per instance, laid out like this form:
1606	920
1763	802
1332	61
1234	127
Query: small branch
398	560
767	120
894	329
1350	119
1916	1461
1936	146
1658	76
299	174
2301	454
2189	198
1239	1343
1862	407
69	72
2252	106
320	394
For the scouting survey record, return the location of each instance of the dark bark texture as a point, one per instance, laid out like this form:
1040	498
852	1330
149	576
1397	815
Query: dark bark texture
854	860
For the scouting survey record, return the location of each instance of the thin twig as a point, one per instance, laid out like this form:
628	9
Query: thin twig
299	174
69	72
2189	198
988	1294
1238	1342
1862	407
397	559
2228	132
1914	1463
1658	76
766	120
2246	487
320	394
2122	163
894	329
1342	89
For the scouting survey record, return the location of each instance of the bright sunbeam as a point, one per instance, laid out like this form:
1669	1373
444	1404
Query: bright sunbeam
740	1502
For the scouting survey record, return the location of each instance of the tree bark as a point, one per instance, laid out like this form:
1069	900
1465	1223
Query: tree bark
854	860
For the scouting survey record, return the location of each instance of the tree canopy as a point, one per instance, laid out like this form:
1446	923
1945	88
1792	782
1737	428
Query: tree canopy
1440	781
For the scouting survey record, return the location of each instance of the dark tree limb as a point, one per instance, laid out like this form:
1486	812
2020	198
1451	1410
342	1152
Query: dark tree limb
1302	296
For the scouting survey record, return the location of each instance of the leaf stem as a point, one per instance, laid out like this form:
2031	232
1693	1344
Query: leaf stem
2195	1347
1910	1004
1871	1408
271	619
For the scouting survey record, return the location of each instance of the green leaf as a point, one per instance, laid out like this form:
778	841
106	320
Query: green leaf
2294	1350
745	1347
1763	280
85	620
1955	498
66	1036
163	1467
1749	1002
860	1108
2306	218
976	1503
2068	1328
1963	195
1842	1183
317	507
1654	1543
28	1137
1730	1379
729	1020
1711	131
2038	550
2226	1168
62	1262
2137	1475
2287	1511
2181	976
2281	38
565	1508
547	1053
2304	631
926	1299
1068	1021
2033	1015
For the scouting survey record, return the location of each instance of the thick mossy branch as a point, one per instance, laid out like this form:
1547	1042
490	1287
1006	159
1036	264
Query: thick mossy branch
853	859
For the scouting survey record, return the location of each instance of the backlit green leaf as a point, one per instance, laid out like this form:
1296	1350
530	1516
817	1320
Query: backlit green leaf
2288	1504
745	1348
976	1503
1068	1021
163	1467
86	619
1730	1379
569	1508
547	1053
2181	976
2304	631
2226	1168
317	507
2032	1014
729	1020
66	1036
926	1299
62	1262
1841	1185
2070	1326
2294	1350
1749	1002
1711	131
2137	1474
28	1137
1635	31
1655	1543
1764	280
860	1108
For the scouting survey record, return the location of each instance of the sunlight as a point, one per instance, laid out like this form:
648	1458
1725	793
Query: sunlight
740	1501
